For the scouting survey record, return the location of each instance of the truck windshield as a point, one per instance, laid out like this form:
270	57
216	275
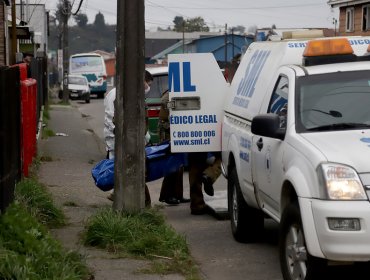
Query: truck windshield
336	101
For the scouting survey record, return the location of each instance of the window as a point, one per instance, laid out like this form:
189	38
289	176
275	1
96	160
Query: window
334	101
350	14
279	100
366	18
158	86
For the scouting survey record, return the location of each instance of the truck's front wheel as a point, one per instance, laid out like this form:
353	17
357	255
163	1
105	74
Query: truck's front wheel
246	222
295	261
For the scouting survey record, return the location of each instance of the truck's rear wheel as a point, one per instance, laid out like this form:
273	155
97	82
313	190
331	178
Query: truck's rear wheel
246	222
295	261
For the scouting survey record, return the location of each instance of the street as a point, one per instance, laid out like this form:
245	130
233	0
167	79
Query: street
210	239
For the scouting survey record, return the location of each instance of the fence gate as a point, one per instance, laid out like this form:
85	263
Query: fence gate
10	157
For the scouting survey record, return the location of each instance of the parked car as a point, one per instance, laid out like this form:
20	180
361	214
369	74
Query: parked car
78	88
153	99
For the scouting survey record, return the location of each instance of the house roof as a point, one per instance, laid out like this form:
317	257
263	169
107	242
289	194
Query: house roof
344	3
164	53
104	54
178	35
179	44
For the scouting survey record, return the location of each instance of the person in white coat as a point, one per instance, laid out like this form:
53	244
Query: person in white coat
109	124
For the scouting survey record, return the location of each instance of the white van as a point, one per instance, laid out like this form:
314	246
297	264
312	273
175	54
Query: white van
295	141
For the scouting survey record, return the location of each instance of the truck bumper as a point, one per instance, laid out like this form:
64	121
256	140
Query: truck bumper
340	245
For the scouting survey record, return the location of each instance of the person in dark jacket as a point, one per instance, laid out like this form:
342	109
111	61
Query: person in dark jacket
172	184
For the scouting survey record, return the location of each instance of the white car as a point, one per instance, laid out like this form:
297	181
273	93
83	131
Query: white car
78	88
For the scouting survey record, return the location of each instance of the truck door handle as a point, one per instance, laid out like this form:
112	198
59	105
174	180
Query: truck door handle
260	144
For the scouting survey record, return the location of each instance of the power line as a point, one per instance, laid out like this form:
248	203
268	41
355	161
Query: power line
177	13
163	7
78	9
237	8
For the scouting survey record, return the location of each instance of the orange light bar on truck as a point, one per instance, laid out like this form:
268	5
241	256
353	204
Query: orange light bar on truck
338	46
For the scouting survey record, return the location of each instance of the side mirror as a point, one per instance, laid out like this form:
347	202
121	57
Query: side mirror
268	125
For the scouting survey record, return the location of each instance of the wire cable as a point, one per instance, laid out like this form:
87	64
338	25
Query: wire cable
78	9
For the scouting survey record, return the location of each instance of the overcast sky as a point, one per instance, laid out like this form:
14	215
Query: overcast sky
217	13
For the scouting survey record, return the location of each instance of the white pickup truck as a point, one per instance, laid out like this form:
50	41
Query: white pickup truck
294	131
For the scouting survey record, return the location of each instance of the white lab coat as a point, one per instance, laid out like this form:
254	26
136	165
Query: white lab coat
108	121
109	125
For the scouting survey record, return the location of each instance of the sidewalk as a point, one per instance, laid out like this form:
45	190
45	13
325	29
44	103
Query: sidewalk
68	178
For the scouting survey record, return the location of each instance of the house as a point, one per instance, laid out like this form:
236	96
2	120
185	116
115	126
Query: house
224	48
354	16
156	42
110	65
35	17
3	37
277	34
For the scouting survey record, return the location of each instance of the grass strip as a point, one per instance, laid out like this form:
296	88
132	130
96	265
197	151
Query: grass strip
27	251
144	234
38	202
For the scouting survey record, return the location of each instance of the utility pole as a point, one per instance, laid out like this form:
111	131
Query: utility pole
65	15
14	34
129	169
335	26
232	42
183	36
225	46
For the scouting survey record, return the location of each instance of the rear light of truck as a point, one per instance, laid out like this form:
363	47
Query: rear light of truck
153	112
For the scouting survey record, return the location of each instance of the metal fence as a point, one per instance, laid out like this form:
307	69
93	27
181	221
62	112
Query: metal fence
10	138
12	129
39	73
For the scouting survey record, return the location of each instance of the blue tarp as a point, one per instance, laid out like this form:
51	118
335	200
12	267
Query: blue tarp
159	163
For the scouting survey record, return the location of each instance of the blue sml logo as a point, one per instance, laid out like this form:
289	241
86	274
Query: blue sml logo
174	78
365	140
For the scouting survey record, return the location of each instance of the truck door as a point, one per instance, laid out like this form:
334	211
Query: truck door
267	153
196	92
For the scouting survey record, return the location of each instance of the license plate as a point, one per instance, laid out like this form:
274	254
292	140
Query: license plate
74	94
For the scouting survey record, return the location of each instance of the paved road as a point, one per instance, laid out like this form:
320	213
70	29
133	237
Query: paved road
210	239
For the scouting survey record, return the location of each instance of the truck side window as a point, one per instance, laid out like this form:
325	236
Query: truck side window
279	100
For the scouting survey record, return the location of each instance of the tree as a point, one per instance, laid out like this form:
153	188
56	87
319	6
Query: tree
60	11
81	20
237	29
179	24
99	20
196	24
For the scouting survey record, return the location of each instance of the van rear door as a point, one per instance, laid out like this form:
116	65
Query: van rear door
197	89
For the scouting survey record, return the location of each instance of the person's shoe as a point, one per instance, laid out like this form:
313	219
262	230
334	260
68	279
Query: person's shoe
208	185
111	196
184	200
171	201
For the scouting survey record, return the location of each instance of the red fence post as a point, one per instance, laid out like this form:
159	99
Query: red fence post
28	118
